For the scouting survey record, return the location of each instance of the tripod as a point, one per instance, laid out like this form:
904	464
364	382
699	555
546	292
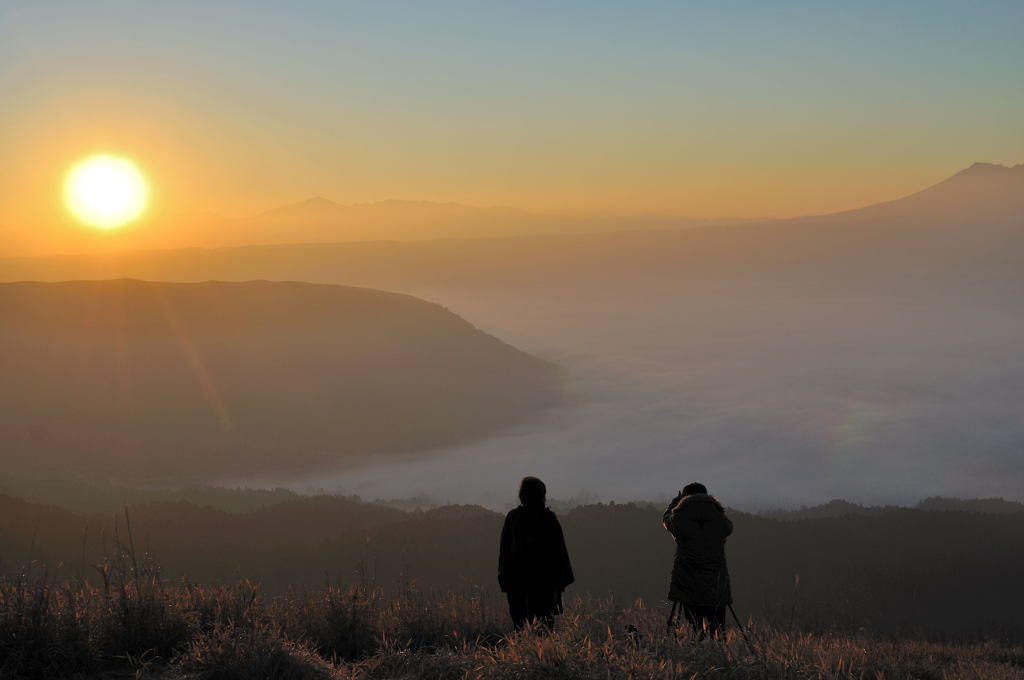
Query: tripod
675	610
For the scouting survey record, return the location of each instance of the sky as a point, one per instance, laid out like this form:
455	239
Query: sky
747	109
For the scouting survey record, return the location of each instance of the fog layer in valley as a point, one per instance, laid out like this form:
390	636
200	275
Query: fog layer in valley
779	405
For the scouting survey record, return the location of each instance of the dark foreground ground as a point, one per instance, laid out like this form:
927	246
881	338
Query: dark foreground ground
136	625
903	573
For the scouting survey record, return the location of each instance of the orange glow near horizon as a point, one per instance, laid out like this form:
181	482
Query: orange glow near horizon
213	186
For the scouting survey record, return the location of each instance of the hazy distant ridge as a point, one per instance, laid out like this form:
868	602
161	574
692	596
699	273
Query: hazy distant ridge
973	219
319	219
843	508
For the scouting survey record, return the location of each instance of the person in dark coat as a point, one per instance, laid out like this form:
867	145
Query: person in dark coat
700	576
533	562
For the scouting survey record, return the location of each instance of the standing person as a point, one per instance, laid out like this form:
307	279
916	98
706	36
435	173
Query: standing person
533	562
700	576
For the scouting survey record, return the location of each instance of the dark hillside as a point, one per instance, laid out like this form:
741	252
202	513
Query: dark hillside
841	508
209	381
896	571
984	505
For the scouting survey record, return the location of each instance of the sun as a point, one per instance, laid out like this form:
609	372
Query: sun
106	191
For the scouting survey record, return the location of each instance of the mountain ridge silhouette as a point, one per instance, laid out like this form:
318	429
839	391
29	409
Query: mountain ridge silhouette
181	382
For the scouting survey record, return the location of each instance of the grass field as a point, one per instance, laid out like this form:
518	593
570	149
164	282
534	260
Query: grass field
131	623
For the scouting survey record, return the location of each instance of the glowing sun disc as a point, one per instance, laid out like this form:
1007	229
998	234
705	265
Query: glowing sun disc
105	191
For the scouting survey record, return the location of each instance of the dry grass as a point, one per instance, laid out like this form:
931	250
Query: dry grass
134	624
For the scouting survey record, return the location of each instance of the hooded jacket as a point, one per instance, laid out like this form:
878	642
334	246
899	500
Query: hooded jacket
700	576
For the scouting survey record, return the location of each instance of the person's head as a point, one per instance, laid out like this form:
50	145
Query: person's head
532	492
694	488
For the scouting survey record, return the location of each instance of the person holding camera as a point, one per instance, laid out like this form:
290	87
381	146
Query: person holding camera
700	575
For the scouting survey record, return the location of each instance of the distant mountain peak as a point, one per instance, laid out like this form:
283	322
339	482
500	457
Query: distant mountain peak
314	205
318	200
979	168
990	170
984	193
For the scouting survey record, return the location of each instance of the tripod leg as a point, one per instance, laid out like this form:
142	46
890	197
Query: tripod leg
740	626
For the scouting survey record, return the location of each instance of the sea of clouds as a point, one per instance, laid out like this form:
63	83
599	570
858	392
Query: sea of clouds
771	401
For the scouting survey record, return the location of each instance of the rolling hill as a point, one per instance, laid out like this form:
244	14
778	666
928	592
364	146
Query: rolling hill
178	382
